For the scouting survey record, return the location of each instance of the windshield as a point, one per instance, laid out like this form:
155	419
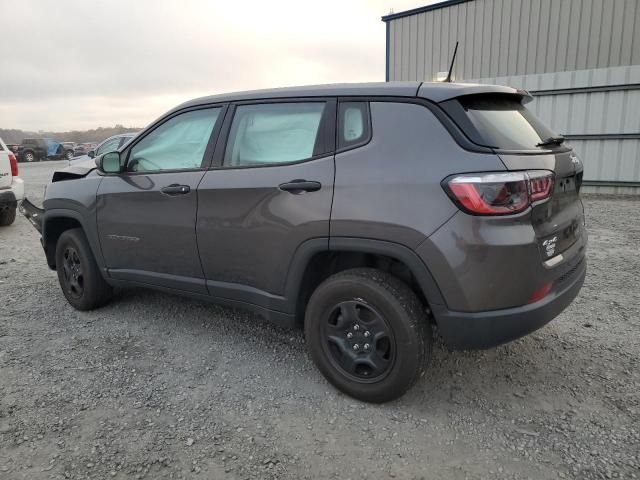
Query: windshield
499	121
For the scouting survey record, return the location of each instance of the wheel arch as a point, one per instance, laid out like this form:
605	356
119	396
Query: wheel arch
55	223
317	259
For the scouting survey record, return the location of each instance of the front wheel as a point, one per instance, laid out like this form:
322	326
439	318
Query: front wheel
69	155
367	334
29	157
78	273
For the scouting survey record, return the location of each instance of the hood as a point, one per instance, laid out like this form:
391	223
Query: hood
77	169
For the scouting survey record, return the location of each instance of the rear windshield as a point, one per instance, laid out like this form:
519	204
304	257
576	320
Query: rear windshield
498	121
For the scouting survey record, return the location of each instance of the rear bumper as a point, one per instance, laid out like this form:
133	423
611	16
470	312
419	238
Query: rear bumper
479	330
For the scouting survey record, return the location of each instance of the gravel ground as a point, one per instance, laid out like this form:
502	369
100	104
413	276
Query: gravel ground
155	386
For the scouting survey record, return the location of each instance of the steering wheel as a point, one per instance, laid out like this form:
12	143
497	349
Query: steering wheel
137	161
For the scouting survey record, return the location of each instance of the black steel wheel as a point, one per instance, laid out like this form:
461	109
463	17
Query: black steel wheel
368	334
72	272
359	341
79	276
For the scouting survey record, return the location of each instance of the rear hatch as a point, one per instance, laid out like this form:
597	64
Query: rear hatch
5	167
502	122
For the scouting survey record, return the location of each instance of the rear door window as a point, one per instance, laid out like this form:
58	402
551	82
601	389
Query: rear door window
274	133
498	121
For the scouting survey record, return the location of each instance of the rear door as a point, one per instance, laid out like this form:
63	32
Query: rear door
147	214
270	192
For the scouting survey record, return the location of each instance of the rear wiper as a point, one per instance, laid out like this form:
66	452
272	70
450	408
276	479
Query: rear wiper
551	141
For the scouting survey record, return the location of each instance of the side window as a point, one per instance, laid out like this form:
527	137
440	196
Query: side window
108	146
177	144
353	124
272	133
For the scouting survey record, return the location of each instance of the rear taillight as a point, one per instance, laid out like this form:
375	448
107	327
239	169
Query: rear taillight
499	193
14	165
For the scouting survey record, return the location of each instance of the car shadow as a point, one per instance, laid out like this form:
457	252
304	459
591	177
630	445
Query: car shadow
516	373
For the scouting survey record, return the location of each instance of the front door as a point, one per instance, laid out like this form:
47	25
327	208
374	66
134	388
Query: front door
147	214
271	193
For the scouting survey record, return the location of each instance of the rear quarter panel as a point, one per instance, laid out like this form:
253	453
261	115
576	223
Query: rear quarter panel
390	188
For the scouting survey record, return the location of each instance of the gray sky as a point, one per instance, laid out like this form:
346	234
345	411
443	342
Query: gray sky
77	64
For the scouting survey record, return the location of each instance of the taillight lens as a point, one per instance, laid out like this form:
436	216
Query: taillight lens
540	184
499	193
14	165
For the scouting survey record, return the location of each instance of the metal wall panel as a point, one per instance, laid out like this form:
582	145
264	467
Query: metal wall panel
515	37
609	107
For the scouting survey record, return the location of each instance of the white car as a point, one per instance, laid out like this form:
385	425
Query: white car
11	186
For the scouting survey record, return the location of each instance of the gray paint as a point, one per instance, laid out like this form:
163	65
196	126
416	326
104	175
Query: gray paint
238	239
144	232
249	229
454	252
379	186
435	92
515	37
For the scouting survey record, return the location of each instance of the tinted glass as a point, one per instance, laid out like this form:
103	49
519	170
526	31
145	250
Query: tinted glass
353	124
273	133
177	144
502	122
108	146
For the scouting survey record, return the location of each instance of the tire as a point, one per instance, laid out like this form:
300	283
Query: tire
29	157
7	216
362	308
68	155
78	274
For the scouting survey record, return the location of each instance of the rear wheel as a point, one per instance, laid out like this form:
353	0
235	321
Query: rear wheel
29	157
78	274
7	216
68	155
367	334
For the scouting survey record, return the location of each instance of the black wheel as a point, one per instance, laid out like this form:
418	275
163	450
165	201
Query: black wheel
68	155
78	274
29	157
367	334
7	216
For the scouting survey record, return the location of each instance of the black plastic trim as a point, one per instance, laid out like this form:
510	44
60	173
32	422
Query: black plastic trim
398	252
481	330
279	318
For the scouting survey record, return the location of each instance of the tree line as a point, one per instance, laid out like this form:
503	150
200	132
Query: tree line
16	136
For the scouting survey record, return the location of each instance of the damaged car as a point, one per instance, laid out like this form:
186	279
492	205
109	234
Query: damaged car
365	214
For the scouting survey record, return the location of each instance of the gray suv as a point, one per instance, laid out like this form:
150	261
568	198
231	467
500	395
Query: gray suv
363	213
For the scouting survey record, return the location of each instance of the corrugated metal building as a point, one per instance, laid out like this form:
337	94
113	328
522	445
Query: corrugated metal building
580	59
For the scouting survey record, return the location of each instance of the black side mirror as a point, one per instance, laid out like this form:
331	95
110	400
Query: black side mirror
91	153
109	163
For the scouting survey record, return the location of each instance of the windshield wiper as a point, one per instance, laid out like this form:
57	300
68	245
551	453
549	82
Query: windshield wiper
551	141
